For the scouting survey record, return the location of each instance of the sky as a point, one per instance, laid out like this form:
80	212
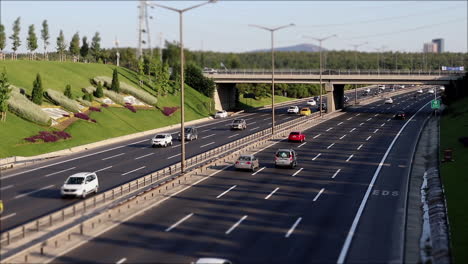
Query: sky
223	26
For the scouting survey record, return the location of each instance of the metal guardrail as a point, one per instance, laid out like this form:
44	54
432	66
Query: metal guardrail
329	72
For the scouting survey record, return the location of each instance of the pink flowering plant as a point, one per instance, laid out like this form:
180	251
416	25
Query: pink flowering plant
48	136
168	111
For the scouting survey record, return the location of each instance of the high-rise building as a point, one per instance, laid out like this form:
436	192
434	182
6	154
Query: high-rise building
430	47
440	44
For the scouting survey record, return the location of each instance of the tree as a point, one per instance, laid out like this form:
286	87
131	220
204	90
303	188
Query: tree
99	92
75	45
37	92
68	92
84	50
5	91
61	45
194	77
32	41
45	37
162	78
96	46
115	86
2	40
141	72
15	37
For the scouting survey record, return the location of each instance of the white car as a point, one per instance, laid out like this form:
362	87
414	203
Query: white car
420	91
80	185
381	87
311	102
441	88
367	90
161	140
293	109
221	114
212	261
389	100
431	91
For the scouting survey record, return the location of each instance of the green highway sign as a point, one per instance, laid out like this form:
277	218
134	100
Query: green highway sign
435	104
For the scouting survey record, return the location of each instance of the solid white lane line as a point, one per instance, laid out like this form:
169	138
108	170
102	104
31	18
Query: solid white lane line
171	157
258	171
268	196
352	129
318	155
293	227
26	194
336	173
361	124
350	157
376	130
367	139
123	174
297	172
360	146
330	145
343	136
236	224
318	194
103	169
254	128
340	123
228	190
6	187
57	172
329	129
202	146
209	136
7	216
301	144
369	119
178	222
382	125
121	261
317	136
144	156
235	135
113	156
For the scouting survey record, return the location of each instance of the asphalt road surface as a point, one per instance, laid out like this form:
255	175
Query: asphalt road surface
281	215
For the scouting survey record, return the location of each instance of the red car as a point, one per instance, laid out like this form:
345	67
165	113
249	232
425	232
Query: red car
296	136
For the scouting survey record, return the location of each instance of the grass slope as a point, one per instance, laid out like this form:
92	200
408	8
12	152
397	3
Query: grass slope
111	122
246	103
455	177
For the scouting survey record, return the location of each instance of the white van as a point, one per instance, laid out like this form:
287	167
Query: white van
80	185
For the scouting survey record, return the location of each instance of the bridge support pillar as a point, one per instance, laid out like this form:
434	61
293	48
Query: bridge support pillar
335	93
225	96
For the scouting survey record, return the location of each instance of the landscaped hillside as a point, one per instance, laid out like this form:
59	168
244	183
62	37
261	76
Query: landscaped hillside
104	121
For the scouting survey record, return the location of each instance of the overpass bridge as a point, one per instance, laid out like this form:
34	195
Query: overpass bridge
334	80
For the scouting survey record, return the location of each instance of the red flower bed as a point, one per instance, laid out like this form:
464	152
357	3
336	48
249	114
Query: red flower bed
82	116
104	105
94	109
47	136
130	107
168	111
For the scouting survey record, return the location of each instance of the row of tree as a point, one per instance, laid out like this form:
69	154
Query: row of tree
85	50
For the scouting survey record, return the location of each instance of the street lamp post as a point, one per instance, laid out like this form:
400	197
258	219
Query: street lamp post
182	109
378	57
355	67
320	40
272	31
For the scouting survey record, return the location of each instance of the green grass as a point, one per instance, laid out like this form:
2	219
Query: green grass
112	122
455	177
246	103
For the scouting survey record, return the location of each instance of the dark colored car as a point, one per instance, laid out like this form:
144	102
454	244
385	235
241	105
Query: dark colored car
296	136
400	115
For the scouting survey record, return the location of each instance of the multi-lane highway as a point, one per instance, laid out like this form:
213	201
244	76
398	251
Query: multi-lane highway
37	186
344	202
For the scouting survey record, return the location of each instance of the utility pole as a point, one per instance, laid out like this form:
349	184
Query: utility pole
117	54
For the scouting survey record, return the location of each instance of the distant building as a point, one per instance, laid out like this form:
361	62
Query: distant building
430	47
440	44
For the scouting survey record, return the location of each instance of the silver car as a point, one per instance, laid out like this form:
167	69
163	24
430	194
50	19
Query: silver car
239	124
247	162
286	158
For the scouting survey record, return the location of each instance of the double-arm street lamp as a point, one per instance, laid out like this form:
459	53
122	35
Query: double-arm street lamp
320	40
182	112
272	31
355	66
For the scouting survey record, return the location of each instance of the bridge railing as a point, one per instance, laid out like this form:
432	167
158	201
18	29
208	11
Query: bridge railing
335	72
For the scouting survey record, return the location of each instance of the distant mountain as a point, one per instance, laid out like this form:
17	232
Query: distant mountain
296	48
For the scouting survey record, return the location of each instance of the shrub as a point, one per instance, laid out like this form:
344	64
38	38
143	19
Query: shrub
62	100
37	91
130	107
94	109
99	92
68	92
117	98
82	116
24	108
88	97
129	89
47	136
115	86
168	111
84	102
